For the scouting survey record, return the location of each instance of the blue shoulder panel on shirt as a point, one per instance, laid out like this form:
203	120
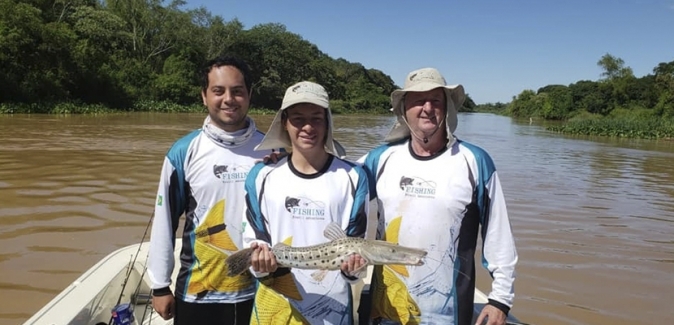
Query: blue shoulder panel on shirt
485	167
359	201
251	192
176	156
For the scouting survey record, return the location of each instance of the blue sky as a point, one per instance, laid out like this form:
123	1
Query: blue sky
495	49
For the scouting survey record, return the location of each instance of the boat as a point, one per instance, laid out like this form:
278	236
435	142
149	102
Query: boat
119	278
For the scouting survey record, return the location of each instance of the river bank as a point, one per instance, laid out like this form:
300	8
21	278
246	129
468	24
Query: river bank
637	124
644	128
149	106
626	125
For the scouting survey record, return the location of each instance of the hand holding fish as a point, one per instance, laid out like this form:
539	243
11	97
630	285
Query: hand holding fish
262	259
353	265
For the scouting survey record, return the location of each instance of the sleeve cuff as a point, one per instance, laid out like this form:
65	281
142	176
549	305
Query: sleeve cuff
256	274
500	306
352	278
165	291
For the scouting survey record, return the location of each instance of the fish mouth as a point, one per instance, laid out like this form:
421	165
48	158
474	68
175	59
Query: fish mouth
418	262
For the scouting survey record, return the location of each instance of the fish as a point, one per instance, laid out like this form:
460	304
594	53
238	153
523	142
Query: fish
331	254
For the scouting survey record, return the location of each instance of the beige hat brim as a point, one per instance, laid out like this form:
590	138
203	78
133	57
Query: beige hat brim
277	137
455	93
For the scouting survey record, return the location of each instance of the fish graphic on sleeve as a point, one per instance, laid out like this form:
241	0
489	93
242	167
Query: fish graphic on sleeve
391	298
211	246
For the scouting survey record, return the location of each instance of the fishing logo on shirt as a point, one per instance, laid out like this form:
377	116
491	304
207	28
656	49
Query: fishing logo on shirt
305	208
231	173
417	187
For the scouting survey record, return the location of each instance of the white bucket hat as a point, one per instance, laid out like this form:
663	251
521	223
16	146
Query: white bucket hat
301	92
425	79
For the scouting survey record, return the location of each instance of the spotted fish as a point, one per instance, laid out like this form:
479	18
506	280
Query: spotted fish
330	255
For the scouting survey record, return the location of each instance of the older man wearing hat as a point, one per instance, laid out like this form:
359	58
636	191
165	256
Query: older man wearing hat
292	202
435	192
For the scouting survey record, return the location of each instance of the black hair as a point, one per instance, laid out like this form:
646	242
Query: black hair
220	61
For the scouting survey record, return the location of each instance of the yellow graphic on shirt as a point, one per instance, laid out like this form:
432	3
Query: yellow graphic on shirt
211	246
390	297
271	305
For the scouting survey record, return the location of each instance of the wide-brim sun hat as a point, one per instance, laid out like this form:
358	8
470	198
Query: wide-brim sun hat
421	80
301	92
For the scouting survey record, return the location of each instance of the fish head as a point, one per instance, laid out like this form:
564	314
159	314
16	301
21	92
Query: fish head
381	252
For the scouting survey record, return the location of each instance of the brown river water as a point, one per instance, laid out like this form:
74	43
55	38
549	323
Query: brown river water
593	217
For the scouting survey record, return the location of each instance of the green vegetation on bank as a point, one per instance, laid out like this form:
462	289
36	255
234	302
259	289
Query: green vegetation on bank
106	56
93	56
627	127
619	104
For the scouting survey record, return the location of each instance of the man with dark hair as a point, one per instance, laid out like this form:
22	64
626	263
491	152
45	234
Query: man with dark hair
203	178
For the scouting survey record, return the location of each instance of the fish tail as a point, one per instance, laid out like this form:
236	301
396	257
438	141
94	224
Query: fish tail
238	262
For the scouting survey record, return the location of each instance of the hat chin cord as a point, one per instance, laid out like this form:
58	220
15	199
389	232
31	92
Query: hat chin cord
424	139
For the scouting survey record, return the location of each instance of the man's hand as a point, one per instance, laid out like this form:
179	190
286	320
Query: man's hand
164	306
274	157
353	264
492	315
262	259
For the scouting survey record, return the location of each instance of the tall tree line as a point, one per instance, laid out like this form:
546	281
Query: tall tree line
121	52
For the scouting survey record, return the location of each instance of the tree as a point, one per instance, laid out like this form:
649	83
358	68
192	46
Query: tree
618	76
614	67
523	105
664	82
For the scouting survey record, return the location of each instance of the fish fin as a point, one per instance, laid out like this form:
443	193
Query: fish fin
319	275
400	269
288	241
333	232
238	262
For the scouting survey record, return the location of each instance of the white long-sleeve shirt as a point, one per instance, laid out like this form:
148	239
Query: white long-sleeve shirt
203	180
441	204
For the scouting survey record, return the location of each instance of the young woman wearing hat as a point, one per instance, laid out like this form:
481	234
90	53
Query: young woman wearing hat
292	202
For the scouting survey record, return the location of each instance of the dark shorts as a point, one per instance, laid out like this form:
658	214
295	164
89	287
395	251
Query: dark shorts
187	313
